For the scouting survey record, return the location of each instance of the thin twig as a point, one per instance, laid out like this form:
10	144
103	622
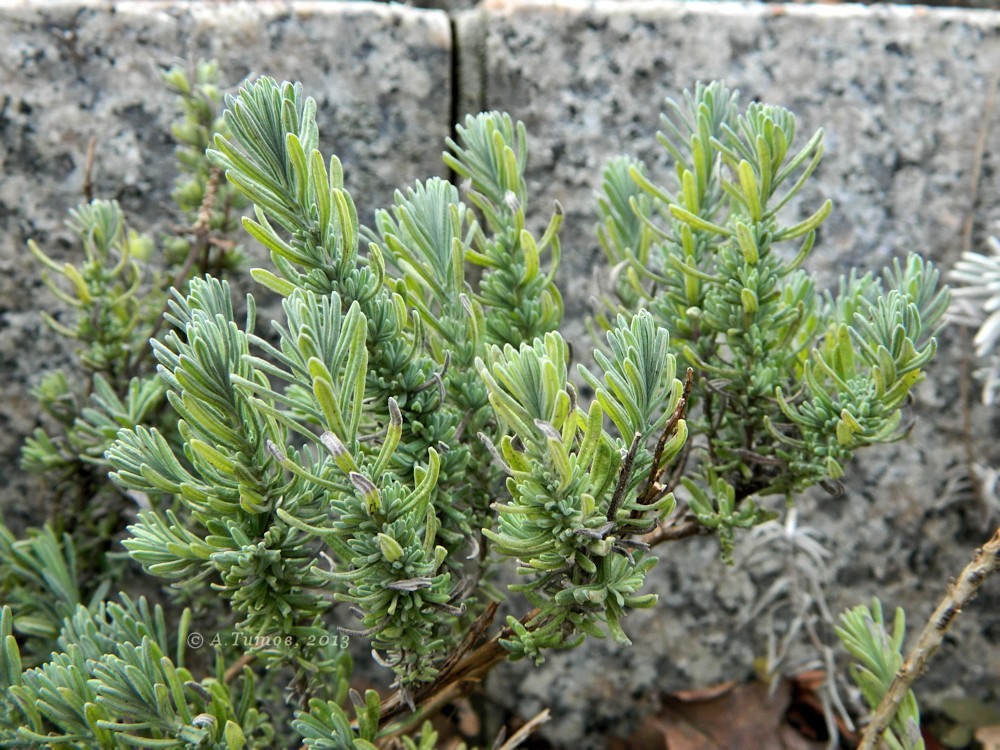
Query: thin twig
624	474
201	233
237	667
88	168
202	228
476	634
524	732
977	163
653	486
671	531
756	458
959	593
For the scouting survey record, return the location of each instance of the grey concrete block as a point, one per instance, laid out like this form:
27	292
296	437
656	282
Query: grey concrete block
470	58
901	94
381	76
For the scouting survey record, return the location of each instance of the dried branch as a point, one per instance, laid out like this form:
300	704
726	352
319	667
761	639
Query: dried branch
236	669
459	674
524	732
88	170
959	593
678	528
624	474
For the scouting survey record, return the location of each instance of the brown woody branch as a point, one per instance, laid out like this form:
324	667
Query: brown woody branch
463	670
88	170
959	593
679	528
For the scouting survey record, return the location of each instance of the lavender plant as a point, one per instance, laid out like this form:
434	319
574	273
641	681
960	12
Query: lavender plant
411	424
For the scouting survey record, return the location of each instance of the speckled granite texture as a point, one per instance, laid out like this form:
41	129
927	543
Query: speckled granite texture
381	76
901	92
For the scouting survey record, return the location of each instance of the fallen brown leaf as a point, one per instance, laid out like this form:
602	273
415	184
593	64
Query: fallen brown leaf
705	693
729	716
806	712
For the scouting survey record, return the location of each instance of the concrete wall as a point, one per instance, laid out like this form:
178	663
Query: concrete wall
904	96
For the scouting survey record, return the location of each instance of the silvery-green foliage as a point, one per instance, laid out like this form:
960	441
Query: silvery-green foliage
574	487
113	675
519	300
789	382
791	570
112	683
979	277
110	321
364	438
116	296
863	632
39	579
199	96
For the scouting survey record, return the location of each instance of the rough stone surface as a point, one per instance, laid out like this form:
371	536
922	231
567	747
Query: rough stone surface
381	76
901	94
